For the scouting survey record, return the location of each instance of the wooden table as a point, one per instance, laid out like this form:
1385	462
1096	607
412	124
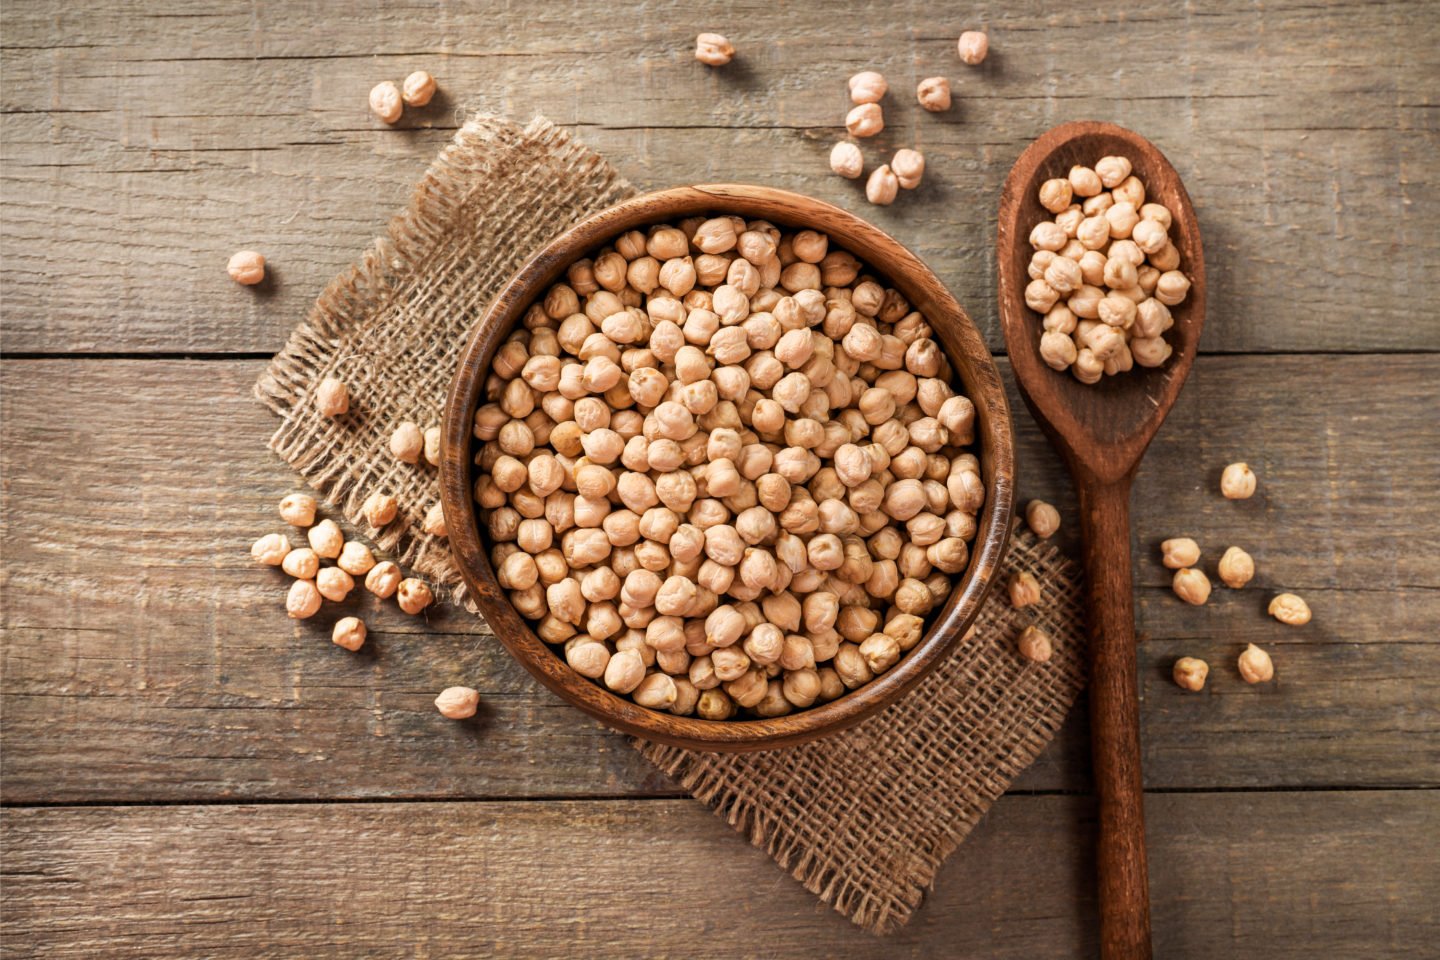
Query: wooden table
187	772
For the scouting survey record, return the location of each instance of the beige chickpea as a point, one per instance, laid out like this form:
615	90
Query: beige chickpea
1290	609
1255	665
1236	568
714	704
386	101
1122	218
383	579
587	657
865	120
302	564
1085	182
1191	585
713	50
1055	194
413	595
1043	519
1035	644
355	558
326	539
379	509
349	632
432	440
1048	236
407	442
1040	296
1112	171
851	666
973	46
303	601
881	652
1024	589
867	86
883	186
846	160
655	692
1150	351
458	703
332	397
334	584
1152	318
1179	552
418	89
908	167
934	94
434	522
1237	482
271	549
1190	673
1130	190
246	268
1171	287
1150	236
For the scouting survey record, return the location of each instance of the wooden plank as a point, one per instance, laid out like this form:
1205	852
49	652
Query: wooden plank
142	147
146	657
1272	875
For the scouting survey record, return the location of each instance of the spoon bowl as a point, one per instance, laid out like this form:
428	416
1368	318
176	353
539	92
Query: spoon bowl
1120	414
1101	430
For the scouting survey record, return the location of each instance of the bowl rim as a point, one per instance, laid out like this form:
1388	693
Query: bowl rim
972	362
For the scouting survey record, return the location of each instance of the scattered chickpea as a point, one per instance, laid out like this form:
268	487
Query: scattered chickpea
1034	644
908	167
713	50
1190	673
1044	520
349	633
298	510
1255	665
432	446
1290	609
867	87
865	120
1237	482
1179	552
332	397
458	703
1236	568
1191	585
383	579
386	102
934	94
846	160
246	268
355	558
413	595
418	89
882	187
973	46
434	523
303	600
302	564
334	584
1024	589
379	509
271	549
326	539
407	443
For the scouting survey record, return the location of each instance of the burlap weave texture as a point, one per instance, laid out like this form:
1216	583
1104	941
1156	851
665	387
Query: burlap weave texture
863	819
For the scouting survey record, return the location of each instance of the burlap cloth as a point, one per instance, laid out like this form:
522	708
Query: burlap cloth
864	819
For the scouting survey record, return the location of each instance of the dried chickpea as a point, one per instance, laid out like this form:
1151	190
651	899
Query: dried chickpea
379	509
407	442
326	539
386	102
865	120
1290	609
413	595
418	89
334	584
713	50
867	87
349	633
1236	568
973	46
1024	589
271	549
302	564
246	268
934	94
908	167
355	558
383	579
1237	482
458	703
332	397
1034	644
1191	585
1190	673
1179	552
1043	519
303	601
1255	665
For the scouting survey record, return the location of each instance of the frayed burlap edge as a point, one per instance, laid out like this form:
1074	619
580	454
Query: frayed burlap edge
864	819
392	325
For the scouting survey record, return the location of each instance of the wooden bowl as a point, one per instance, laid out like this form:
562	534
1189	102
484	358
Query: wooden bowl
979	380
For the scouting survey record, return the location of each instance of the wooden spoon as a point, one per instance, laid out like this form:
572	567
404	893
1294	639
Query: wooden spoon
1102	431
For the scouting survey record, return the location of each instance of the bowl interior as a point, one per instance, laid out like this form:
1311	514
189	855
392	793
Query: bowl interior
973	366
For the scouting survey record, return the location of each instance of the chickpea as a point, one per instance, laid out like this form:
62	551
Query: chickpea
865	120
334	584
1190	673
1024	589
1179	552
1237	482
407	442
908	167
247	268
1255	665
1034	644
1191	585
303	601
271	549
973	46
883	185
713	50
1290	609
934	95
413	595
1236	568
332	397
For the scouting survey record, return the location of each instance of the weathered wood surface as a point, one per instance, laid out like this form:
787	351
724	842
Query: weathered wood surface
1273	876
144	143
147	657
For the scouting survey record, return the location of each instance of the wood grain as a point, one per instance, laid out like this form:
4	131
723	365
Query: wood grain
146	657
1272	876
143	146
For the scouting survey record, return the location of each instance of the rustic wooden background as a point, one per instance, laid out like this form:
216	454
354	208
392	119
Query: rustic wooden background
187	772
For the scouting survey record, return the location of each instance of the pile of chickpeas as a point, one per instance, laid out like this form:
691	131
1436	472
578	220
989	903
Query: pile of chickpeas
1104	273
723	468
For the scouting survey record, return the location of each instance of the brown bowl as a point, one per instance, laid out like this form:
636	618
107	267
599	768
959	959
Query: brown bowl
972	362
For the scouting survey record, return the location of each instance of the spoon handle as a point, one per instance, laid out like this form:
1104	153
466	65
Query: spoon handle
1115	722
